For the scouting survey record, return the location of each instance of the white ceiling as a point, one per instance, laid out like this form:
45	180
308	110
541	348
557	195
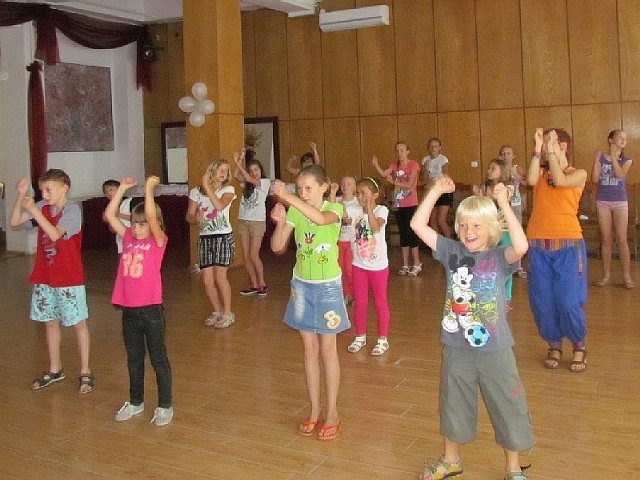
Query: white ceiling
164	10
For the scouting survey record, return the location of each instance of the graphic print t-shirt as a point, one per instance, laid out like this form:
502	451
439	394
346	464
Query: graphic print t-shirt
213	221
475	290
370	249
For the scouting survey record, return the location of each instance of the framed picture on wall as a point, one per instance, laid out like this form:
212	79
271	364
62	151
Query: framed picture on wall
261	136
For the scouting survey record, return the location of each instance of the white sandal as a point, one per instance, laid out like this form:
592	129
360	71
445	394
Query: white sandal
359	342
381	347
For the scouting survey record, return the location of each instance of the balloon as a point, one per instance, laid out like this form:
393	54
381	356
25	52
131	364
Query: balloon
187	104
196	119
199	91
206	107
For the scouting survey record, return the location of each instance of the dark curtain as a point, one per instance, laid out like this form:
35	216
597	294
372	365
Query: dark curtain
37	128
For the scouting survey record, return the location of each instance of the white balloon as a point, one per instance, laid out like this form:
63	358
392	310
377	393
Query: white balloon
187	104
199	91
196	119
206	107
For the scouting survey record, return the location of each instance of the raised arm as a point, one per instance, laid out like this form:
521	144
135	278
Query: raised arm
150	210
18	216
290	166
383	173
240	172
533	172
557	163
218	203
312	213
314	150
519	244
420	220
111	212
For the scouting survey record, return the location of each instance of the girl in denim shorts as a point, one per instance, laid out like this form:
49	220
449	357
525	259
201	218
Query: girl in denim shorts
316	307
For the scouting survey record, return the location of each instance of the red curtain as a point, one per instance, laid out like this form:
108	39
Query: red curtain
37	127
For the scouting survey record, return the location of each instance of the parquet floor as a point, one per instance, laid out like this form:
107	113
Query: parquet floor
239	393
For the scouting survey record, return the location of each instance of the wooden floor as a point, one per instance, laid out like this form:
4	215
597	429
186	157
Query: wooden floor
239	393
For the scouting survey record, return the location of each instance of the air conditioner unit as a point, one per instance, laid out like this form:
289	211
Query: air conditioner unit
293	8
354	18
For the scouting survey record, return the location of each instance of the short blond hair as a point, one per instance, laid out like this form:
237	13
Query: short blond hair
483	209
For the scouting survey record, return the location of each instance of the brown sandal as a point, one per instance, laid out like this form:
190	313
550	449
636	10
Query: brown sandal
579	366
552	361
87	383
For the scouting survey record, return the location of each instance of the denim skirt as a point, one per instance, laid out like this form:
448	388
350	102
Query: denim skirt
317	307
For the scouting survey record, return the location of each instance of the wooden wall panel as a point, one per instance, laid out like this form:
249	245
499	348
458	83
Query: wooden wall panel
591	125
152	152
460	136
631	125
499	53
629	33
545	53
379	137
456	55
249	63
342	148
376	75
305	67
502	127
272	88
416	63
301	133
155	103
284	132
593	51
175	58
340	96
416	130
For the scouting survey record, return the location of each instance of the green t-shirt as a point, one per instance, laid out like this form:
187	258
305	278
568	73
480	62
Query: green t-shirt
316	245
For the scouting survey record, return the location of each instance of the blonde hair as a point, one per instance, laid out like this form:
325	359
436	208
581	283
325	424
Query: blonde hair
483	209
213	168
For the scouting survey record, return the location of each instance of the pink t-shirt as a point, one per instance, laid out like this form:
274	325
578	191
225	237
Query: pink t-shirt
401	173
138	282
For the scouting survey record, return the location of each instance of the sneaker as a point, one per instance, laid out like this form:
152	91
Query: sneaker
415	270
225	321
212	319
262	291
128	411
162	416
248	292
404	270
440	469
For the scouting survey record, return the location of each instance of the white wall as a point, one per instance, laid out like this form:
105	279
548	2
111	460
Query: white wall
87	169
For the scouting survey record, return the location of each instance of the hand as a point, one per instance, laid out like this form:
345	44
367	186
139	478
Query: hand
501	193
152	181
313	146
279	189
127	182
370	204
28	203
292	160
243	153
278	213
334	188
22	187
552	137
238	157
206	179
538	138
374	162
444	184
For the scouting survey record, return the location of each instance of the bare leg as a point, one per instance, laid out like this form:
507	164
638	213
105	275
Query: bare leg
53	335
442	212
209	283
512	460
331	363
415	254
224	286
621	225
83	340
246	254
256	261
312	371
451	454
605	224
405	255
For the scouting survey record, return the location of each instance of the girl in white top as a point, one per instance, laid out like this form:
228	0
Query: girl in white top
252	217
434	167
518	178
209	207
370	265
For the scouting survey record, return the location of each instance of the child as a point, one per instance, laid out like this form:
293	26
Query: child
209	207
370	266
403	175
610	170
316	307
518	178
477	341
345	259
497	173
138	290
59	294
307	158
252	217
109	188
434	166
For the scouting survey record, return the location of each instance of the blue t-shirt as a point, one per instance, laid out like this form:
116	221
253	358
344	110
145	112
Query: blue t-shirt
474	315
